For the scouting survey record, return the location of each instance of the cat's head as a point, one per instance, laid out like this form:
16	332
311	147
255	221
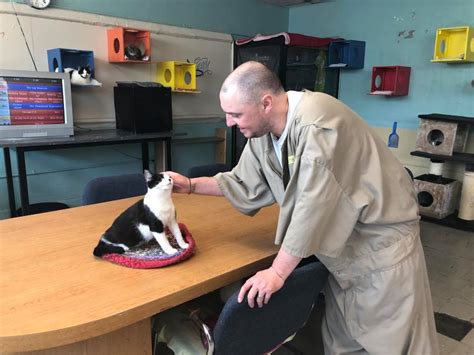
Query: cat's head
133	52
161	181
84	72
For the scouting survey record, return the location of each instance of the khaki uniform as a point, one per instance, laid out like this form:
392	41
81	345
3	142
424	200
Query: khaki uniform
351	203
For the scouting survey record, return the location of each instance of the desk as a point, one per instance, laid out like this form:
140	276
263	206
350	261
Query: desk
80	139
53	292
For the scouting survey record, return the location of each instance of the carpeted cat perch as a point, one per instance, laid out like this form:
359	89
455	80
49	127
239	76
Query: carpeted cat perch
152	256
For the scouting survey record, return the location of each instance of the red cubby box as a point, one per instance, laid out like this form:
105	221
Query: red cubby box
120	38
390	80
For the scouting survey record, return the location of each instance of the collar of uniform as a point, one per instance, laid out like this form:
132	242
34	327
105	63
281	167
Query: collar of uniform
294	98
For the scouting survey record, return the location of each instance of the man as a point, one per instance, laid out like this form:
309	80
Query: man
343	197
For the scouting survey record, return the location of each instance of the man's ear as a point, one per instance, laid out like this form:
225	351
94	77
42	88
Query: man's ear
267	101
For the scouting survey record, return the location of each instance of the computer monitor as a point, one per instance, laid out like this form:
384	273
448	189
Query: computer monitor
35	104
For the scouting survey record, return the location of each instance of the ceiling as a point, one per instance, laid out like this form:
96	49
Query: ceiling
287	3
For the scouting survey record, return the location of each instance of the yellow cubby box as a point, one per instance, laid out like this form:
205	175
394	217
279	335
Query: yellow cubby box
454	45
179	76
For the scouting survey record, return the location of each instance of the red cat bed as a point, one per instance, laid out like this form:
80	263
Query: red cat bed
151	255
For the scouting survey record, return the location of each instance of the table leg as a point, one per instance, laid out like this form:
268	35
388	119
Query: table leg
9	175
25	203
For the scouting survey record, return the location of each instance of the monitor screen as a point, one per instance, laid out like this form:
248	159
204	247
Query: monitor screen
34	104
31	101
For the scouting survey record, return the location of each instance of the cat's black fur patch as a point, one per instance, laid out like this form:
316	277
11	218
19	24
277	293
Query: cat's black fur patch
124	229
103	248
154	180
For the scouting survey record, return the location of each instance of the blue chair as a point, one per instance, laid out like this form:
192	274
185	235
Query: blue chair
110	188
244	330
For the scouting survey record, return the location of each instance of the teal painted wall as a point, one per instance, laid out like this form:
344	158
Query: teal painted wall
384	24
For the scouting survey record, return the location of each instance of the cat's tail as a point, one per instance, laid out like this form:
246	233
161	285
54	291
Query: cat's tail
108	248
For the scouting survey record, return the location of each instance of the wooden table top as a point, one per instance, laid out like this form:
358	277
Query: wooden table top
54	292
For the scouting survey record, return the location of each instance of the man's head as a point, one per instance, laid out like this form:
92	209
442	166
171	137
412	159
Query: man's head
251	97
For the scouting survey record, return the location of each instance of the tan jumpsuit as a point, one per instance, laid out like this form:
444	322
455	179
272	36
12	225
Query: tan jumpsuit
351	203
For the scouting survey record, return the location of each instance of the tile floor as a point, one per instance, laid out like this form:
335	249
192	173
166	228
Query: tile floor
450	261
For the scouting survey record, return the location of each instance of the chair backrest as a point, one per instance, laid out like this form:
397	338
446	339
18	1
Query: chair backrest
110	188
207	170
244	330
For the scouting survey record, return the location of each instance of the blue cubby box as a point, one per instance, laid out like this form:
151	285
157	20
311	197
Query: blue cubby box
70	58
346	54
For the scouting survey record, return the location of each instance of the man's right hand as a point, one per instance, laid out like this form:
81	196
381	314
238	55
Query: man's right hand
181	183
199	185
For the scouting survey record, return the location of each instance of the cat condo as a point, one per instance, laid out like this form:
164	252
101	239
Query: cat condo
78	63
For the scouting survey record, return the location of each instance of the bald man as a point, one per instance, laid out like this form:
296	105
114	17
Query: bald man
343	197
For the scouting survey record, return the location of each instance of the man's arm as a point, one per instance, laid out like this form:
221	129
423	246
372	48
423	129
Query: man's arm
263	284
200	185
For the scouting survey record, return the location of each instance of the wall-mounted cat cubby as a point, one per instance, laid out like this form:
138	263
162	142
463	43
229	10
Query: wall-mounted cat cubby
127	45
390	80
179	76
62	58
454	45
346	54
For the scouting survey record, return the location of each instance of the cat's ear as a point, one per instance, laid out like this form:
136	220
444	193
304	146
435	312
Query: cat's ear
147	175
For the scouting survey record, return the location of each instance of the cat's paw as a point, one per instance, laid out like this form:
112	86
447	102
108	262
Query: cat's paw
170	251
183	245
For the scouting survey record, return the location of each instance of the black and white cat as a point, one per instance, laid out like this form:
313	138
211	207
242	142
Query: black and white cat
82	76
145	220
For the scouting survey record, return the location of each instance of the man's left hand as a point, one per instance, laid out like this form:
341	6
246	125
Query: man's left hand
260	287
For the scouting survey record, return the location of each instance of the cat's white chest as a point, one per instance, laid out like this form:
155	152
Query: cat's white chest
162	208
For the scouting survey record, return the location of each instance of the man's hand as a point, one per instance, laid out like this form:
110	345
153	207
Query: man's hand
264	283
181	184
200	185
260	287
